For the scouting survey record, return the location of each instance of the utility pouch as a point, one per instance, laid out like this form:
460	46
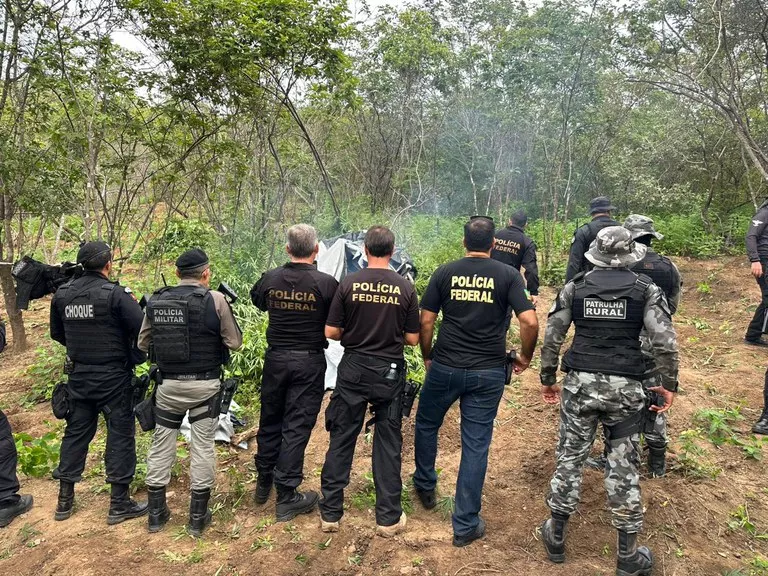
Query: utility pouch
508	366
60	400
69	366
228	389
410	391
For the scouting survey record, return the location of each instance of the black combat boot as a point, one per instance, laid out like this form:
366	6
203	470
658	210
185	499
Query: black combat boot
553	536
428	498
66	500
263	487
122	507
657	461
159	513
14	506
761	426
291	503
199	514
467	539
633	561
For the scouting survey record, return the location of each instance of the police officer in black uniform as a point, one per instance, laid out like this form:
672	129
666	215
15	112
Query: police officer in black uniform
514	248
98	321
374	313
12	504
600	209
298	297
757	251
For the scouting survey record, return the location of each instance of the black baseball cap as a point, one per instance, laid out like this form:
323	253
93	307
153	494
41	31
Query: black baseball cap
90	250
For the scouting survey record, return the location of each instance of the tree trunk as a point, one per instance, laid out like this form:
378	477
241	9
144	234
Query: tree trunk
14	314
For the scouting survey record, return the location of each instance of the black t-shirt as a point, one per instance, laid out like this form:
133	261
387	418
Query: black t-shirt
297	297
511	244
474	295
375	307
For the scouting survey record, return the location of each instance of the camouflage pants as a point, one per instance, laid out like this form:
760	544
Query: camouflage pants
586	401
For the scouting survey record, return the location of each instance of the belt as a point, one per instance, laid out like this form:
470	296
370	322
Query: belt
108	367
210	375
296	352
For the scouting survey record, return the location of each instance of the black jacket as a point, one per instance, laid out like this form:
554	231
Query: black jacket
757	235
582	238
516	249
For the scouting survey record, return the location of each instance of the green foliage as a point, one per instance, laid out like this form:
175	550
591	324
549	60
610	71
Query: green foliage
365	498
178	235
717	424
247	363
741	521
45	372
37	456
692	458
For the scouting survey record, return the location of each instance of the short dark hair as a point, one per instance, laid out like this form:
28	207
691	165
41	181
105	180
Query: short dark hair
380	241
192	274
519	218
478	234
97	262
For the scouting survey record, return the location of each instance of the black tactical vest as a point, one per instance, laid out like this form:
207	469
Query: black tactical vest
608	314
659	269
93	335
183	342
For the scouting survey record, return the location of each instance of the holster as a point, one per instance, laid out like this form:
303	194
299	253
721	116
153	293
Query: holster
228	389
60	400
508	366
145	412
410	391
649	416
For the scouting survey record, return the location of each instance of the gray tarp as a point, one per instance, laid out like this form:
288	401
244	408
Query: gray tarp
344	255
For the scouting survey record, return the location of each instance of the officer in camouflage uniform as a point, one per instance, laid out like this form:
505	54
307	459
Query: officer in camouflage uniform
605	366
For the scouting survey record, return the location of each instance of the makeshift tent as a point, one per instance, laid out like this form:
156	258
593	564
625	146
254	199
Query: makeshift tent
344	255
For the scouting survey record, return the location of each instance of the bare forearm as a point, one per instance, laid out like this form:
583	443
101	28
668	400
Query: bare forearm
529	333
425	340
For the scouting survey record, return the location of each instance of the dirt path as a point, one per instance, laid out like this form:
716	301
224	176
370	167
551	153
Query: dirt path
687	521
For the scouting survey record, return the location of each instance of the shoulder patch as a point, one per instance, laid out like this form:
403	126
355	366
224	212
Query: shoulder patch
756	222
127	290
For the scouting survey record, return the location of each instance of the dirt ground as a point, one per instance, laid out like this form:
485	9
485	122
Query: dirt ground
694	526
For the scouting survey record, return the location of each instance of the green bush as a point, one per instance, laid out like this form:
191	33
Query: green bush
45	372
37	456
247	363
179	235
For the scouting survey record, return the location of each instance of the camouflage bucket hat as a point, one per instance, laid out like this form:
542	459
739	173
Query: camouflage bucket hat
639	225
615	248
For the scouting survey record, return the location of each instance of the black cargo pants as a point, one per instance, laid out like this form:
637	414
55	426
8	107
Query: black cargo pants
361	382
9	483
759	324
120	453
292	389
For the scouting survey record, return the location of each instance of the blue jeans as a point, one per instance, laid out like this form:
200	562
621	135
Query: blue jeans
479	392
